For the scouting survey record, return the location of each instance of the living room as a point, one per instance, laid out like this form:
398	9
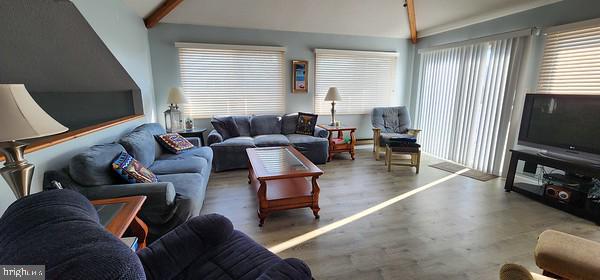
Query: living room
263	139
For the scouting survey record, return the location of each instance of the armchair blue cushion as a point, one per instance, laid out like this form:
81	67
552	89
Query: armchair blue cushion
60	229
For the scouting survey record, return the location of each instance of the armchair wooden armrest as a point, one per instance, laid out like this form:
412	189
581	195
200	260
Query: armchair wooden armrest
414	132
376	137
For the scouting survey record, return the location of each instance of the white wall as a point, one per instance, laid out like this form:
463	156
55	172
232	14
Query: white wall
125	35
300	46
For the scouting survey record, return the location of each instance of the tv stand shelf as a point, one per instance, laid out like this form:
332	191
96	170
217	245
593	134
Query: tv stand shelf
568	166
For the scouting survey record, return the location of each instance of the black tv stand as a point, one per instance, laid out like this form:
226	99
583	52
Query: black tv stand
536	192
575	158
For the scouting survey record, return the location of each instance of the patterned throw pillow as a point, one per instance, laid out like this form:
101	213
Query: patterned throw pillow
174	142
306	123
132	170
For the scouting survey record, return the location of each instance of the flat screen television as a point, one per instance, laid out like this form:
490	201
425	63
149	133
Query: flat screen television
562	125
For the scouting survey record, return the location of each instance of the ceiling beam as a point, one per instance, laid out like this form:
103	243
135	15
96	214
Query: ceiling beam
412	20
160	12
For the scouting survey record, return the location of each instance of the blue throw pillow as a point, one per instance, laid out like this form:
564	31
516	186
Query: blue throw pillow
132	170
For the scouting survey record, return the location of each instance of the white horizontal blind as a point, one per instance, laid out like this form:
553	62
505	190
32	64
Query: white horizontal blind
571	62
464	102
364	80
236	81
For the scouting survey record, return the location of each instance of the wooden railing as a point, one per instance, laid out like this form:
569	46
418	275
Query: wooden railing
50	141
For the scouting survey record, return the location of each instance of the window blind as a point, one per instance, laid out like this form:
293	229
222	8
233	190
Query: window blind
464	102
231	80
571	62
364	79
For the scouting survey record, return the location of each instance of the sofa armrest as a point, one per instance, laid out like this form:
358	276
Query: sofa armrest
567	256
194	140
292	268
321	132
168	256
214	137
159	196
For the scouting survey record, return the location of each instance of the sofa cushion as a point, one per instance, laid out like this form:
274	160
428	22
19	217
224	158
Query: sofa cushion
141	145
270	140
174	142
237	141
243	124
93	166
152	128
265	124
288	123
203	152
306	123
132	170
226	126
239	257
189	164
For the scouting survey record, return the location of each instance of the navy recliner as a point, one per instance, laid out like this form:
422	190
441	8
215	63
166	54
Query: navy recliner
60	229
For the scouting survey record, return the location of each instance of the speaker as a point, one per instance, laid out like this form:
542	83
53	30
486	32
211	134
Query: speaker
560	193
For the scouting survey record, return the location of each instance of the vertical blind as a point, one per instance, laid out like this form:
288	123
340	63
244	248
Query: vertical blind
571	62
364	79
464	102
231	80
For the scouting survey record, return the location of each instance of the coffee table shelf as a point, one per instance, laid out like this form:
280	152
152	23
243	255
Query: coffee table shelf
283	179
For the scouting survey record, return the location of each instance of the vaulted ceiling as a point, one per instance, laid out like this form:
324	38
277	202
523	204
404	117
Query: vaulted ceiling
383	18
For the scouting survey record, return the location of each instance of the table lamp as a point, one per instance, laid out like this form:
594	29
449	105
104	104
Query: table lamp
333	95
173	118
21	118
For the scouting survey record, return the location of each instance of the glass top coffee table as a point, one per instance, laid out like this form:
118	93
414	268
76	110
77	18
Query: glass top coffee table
284	179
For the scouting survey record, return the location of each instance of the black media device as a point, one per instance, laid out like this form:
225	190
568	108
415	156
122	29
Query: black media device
565	126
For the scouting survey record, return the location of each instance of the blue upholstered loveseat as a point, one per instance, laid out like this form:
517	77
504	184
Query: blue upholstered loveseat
177	196
60	229
265	131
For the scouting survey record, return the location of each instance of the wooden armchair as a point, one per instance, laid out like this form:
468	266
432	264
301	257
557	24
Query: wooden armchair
390	122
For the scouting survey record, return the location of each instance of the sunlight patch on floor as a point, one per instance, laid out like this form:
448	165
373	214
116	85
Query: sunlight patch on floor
322	230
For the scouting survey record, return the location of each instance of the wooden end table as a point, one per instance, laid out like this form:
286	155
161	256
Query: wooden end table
119	216
338	144
283	179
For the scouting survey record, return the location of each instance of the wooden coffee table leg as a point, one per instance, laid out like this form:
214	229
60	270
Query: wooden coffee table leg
263	204
352	144
316	190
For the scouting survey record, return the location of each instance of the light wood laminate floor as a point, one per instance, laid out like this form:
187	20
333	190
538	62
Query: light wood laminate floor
458	229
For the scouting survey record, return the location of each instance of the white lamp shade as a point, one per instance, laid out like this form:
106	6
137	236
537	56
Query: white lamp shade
21	117
333	95
176	96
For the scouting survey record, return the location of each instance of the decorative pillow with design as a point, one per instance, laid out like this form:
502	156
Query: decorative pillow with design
174	142
132	170
306	123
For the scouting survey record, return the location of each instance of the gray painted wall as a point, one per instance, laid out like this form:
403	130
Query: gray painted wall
126	36
299	46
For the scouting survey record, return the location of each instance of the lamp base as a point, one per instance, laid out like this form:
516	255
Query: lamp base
17	172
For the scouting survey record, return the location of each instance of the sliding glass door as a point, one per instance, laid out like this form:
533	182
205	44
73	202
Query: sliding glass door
464	101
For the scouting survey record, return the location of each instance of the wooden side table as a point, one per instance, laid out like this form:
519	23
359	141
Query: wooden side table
119	216
196	132
338	144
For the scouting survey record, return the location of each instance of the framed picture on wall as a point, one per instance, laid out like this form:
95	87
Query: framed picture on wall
299	76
